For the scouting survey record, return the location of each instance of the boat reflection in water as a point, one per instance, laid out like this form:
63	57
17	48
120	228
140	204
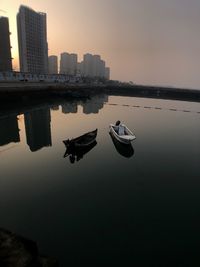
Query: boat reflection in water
76	148
125	150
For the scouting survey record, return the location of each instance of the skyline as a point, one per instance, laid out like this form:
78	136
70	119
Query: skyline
148	42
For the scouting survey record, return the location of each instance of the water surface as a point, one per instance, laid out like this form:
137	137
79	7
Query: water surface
113	205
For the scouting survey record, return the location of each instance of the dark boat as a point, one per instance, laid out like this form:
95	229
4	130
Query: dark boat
83	140
125	150
77	147
77	153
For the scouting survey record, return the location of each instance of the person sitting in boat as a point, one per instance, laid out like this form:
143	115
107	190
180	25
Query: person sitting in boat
121	130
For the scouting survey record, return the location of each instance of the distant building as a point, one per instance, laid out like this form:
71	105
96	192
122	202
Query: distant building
102	68
73	64
53	65
32	39
107	73
88	65
5	48
64	63
68	63
94	67
80	68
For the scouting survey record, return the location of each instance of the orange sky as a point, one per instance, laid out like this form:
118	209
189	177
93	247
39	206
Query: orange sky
146	41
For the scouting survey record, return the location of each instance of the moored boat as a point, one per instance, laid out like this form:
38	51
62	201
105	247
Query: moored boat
82	140
77	153
122	133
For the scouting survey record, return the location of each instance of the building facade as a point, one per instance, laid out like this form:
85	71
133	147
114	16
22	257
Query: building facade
107	73
68	63
5	48
88	65
32	40
94	67
53	65
73	64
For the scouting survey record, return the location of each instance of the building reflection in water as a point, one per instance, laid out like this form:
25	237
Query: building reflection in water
94	104
38	128
55	107
69	107
9	130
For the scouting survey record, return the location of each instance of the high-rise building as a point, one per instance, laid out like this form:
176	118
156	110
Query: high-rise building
107	73
68	63
53	65
5	48
64	63
88	65
94	66
80	68
32	39
102	67
73	64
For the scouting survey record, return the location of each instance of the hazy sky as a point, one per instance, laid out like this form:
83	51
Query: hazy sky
146	41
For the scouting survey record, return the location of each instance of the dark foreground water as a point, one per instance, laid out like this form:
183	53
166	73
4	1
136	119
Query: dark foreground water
138	206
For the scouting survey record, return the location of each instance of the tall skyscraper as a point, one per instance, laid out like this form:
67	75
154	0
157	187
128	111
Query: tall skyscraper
53	64
32	39
5	48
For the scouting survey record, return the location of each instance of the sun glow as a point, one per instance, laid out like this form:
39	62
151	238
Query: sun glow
140	42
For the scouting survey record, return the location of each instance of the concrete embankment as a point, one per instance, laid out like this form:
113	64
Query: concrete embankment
10	90
156	92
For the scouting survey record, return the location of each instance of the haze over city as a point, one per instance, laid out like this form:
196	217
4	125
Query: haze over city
147	41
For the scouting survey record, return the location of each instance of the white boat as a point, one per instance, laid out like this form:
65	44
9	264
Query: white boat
122	133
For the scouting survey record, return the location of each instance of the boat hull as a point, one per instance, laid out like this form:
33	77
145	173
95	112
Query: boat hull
125	139
77	153
83	140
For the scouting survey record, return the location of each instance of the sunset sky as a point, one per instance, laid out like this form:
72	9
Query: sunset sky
145	41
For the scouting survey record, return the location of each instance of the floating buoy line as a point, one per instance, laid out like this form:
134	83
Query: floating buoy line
152	107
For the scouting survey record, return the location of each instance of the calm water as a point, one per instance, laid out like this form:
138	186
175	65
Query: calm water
140	205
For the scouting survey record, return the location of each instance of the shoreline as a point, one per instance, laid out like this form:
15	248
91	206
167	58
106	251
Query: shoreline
12	91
